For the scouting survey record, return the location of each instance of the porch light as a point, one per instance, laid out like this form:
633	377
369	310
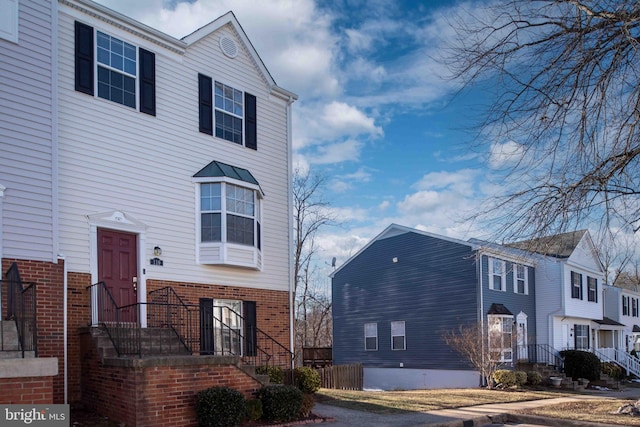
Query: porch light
157	251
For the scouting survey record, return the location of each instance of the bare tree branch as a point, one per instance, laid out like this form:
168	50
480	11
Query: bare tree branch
566	79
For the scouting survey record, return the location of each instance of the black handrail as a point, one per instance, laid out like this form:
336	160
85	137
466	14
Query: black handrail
166	310
22	309
541	354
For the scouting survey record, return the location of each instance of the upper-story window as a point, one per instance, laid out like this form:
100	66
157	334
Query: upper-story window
228	111
520	279
398	337
634	307
117	70
497	275
114	69
228	214
625	305
592	289
9	20
576	285
371	336
229	206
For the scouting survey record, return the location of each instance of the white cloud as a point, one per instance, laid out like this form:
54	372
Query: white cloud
343	119
338	152
505	155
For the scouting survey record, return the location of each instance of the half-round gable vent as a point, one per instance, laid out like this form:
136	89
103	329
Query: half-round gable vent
228	46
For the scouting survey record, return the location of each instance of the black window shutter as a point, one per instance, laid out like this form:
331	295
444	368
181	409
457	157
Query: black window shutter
250	122
84	58
250	335
206	326
147	82
205	104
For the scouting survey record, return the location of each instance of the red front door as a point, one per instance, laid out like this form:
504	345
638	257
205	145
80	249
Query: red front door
118	268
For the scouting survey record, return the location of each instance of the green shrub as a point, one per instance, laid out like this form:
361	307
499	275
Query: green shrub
308	402
581	364
521	378
276	373
613	370
307	379
253	411
505	377
534	378
220	407
280	402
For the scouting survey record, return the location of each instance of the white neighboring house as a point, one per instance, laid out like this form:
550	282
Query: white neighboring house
623	305
569	297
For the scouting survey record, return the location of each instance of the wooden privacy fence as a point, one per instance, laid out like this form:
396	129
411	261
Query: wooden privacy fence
346	377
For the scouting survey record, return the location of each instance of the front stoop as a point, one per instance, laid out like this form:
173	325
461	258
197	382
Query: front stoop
157	390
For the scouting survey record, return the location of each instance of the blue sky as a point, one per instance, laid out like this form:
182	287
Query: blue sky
375	114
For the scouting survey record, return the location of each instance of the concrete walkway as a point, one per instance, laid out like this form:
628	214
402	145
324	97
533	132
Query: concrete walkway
481	415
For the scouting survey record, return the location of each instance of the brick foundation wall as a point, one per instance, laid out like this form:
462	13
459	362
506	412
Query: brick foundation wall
78	315
26	391
49	279
155	392
272	312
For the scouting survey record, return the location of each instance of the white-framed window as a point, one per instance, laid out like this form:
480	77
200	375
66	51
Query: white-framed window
582	336
9	20
116	62
520	279
625	305
227	321
398	337
500	332
371	336
592	289
497	275
228	112
229	213
576	285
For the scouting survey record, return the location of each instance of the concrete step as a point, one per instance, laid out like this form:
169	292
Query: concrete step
9	336
17	354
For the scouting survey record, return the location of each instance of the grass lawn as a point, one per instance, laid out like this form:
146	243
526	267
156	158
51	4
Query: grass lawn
388	402
598	411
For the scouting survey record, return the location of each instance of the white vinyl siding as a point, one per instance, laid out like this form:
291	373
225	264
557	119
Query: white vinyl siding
27	132
167	150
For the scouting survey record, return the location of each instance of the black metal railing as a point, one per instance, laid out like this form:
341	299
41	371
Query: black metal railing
252	344
21	309
541	354
166	309
174	327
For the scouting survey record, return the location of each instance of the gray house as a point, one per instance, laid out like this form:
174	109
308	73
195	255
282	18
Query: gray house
395	298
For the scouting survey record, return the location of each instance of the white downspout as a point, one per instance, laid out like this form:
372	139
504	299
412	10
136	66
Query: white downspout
291	242
65	323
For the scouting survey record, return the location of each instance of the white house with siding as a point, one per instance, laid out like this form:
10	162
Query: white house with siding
143	162
569	293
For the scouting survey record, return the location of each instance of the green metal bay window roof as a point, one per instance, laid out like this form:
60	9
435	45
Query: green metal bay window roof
218	169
